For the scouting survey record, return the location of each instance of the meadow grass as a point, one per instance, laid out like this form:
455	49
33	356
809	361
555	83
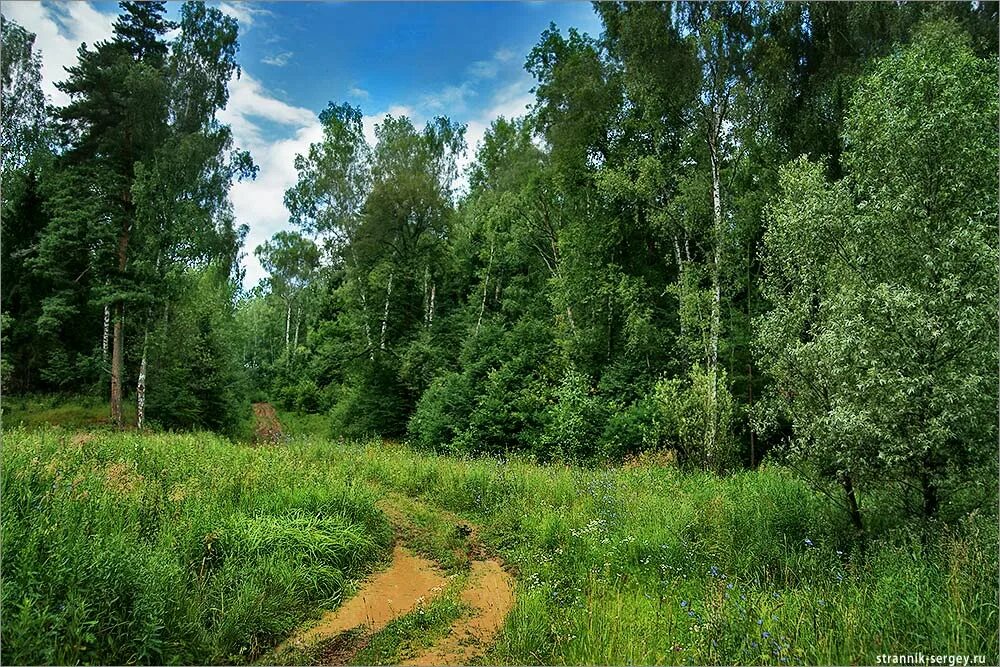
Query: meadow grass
161	549
656	565
186	548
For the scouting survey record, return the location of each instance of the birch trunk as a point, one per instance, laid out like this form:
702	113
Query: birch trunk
385	313
486	287
140	387
430	310
298	321
715	322
288	322
106	337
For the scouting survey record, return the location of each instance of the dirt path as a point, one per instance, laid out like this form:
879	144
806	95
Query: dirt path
409	581
490	594
391	593
267	428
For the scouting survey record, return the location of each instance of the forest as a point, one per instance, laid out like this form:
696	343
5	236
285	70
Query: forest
747	249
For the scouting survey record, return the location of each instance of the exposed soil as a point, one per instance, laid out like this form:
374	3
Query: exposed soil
391	593
490	593
398	590
267	428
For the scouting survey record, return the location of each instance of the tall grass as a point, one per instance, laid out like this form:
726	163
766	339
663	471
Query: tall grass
123	548
654	565
188	549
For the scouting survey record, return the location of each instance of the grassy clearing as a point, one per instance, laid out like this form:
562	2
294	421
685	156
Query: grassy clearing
170	548
304	426
653	565
127	548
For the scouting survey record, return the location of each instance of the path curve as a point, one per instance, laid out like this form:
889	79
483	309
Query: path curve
490	594
391	593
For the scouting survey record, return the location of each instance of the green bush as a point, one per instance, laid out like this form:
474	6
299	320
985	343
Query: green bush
576	420
684	418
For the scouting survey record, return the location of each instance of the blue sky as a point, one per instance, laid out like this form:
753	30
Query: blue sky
460	59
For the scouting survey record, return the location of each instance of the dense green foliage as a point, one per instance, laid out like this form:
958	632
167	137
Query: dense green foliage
120	549
115	209
728	230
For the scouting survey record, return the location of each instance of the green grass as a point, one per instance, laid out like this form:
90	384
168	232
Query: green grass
55	410
123	548
654	565
165	548
304	426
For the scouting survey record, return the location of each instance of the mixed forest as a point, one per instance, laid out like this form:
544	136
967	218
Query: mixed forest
756	243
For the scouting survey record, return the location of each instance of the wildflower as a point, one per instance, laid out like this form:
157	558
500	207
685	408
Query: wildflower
765	634
760	621
822	603
729	585
809	542
714	571
684	603
839	552
775	595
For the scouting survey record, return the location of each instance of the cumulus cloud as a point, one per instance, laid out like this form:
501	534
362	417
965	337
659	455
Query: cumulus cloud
59	30
488	69
260	203
449	100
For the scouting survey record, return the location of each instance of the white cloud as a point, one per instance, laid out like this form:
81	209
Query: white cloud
488	69
245	13
278	59
450	100
260	203
60	29
357	93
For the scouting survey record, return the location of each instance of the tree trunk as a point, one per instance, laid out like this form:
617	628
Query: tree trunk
118	346
715	322
140	387
385	313
430	309
288	322
930	496
106	337
486	287
116	366
852	502
298	321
